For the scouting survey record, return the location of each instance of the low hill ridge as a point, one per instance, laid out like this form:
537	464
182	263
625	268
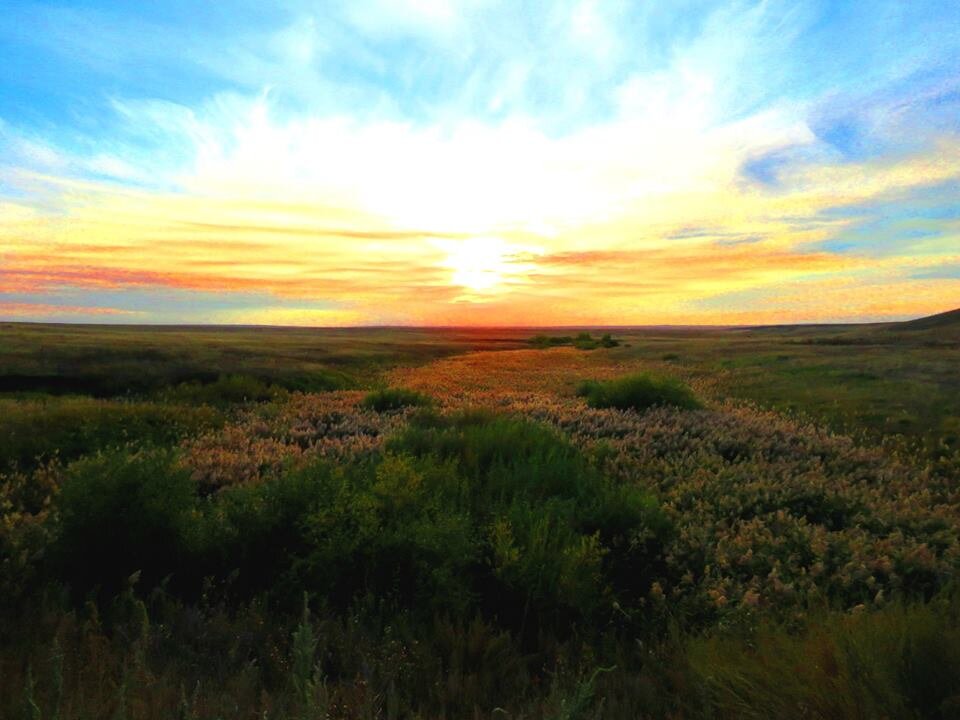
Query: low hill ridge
945	320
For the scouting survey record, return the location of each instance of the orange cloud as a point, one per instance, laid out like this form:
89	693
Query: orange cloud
20	309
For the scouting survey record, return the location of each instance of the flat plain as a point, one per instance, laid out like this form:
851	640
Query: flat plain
391	522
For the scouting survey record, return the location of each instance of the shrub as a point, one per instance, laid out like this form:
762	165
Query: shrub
584	341
120	513
555	527
638	392
489	449
459	514
546	341
389	399
260	529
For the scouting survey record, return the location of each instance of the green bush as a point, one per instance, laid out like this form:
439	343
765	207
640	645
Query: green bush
259	530
121	513
582	341
638	392
561	537
546	341
389	399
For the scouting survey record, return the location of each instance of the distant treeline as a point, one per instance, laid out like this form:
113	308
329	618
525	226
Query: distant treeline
582	341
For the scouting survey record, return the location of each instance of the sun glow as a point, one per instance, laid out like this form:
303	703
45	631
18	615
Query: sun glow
480	265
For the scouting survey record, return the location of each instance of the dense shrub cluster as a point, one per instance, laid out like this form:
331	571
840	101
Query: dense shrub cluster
470	513
581	341
120	513
638	392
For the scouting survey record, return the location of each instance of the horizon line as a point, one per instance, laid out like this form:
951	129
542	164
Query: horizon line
254	326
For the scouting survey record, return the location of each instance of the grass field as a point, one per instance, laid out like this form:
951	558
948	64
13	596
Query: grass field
294	523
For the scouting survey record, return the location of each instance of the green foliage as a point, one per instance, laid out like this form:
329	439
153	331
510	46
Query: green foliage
546	341
120	514
66	428
550	519
459	515
639	392
389	399
582	341
259	529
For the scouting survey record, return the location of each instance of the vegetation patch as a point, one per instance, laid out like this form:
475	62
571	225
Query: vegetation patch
63	429
581	341
389	399
243	549
477	513
225	390
638	392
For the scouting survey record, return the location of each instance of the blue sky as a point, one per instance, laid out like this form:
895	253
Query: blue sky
503	136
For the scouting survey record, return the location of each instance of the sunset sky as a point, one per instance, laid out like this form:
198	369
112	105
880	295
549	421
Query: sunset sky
477	162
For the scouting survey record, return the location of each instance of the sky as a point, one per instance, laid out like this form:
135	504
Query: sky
474	162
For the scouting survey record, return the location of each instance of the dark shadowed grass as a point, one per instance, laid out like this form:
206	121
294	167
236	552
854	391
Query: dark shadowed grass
639	392
225	390
899	662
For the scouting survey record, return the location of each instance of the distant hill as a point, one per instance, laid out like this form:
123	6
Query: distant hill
949	320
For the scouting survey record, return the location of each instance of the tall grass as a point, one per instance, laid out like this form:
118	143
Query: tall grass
899	662
37	431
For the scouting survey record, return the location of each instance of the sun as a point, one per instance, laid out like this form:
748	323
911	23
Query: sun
478	264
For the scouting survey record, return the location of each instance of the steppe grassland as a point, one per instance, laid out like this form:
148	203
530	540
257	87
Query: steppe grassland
747	533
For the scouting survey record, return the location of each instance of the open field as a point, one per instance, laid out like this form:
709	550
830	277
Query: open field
257	522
